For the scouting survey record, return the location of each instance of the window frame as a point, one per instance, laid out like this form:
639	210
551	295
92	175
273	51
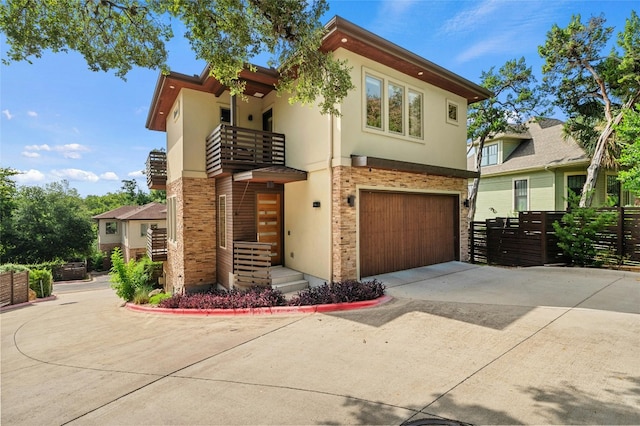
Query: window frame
222	221
566	184
115	226
407	90
485	156
516	196
451	105
171	219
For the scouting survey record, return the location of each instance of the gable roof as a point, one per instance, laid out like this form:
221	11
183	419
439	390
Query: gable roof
543	146
150	211
340	33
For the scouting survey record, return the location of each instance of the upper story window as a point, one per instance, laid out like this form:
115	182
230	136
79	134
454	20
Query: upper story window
225	115
374	102
145	226
489	155
393	107
521	195
111	228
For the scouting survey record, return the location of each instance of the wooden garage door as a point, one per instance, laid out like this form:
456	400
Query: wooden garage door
405	230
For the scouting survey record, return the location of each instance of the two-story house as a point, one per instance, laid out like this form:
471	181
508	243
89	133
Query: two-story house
380	188
126	228
535	170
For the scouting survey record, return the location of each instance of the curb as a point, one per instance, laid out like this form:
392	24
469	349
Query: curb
20	305
275	310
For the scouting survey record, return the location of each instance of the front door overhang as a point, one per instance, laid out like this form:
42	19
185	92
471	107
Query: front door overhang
275	174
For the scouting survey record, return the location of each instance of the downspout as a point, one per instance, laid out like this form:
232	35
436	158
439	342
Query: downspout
330	173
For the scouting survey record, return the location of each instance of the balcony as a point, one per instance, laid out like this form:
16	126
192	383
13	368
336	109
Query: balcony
157	244
234	149
156	170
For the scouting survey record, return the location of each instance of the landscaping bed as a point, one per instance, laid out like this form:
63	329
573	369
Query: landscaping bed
266	300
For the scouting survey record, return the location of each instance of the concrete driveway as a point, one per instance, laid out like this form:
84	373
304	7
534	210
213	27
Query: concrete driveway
471	343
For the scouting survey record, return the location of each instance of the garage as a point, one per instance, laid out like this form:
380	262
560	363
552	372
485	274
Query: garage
400	230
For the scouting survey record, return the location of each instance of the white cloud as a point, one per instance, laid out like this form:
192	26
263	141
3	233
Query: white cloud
76	175
29	177
7	114
70	150
109	176
30	154
470	19
32	113
44	147
136	174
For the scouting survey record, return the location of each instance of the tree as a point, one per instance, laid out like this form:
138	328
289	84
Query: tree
227	34
592	88
629	131
514	100
8	192
49	223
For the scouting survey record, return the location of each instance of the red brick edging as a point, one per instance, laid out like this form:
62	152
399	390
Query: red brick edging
262	311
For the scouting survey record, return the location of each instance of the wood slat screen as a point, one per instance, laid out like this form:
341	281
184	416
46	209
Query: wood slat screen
252	263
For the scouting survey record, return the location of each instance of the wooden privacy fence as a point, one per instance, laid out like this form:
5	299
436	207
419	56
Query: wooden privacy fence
252	263
530	239
14	288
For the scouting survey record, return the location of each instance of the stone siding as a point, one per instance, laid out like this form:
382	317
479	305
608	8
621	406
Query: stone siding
345	181
191	259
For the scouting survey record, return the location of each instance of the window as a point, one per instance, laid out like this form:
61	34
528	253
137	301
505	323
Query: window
145	226
452	112
374	102
393	107
111	228
415	114
613	191
520	195
222	221
171	219
489	155
575	183
225	115
396	103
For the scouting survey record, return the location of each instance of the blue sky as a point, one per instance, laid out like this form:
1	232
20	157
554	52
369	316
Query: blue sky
59	120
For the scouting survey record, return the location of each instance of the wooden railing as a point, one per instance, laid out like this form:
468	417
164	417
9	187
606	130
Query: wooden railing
252	263
232	149
156	170
157	244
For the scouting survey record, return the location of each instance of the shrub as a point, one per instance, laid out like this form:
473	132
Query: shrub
255	297
13	267
141	294
339	292
157	298
128	277
578	233
45	275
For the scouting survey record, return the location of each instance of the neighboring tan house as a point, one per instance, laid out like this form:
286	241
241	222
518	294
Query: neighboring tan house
334	198
535	170
126	227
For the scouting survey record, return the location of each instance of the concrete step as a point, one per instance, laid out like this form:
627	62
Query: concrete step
287	280
292	286
281	275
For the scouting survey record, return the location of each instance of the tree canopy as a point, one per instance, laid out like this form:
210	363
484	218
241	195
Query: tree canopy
592	87
227	34
47	224
515	99
629	131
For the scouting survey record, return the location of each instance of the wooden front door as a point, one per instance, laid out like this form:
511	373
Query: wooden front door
269	226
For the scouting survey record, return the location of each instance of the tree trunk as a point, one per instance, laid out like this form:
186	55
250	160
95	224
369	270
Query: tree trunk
598	155
473	194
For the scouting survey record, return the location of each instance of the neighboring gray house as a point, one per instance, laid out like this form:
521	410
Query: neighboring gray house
535	170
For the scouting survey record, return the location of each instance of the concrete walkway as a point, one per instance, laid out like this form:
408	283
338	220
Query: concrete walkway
475	344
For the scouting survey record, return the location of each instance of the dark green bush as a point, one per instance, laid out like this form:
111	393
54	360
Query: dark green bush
339	292
13	267
578	232
44	288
